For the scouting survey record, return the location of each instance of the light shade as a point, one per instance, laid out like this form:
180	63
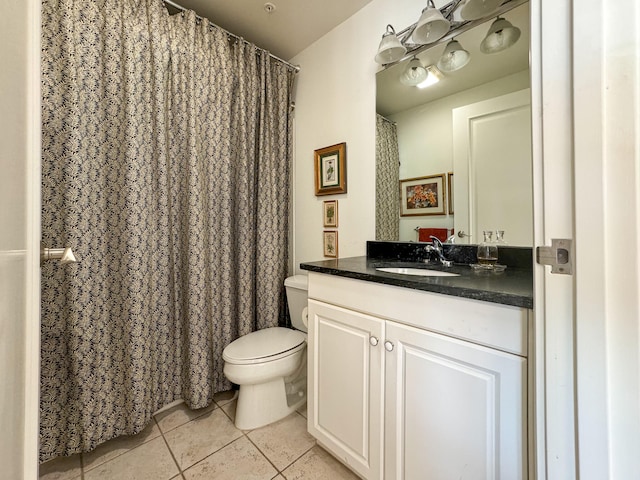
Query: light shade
474	9
501	35
390	49
431	27
414	74
453	58
433	76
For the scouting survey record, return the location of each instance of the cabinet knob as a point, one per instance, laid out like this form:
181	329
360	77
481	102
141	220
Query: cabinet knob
373	341
388	346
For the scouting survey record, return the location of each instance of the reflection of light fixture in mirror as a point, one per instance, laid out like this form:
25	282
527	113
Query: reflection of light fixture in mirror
431	27
433	76
474	9
414	74
501	35
390	48
453	58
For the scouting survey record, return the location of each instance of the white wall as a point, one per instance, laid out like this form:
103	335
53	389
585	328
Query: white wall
335	102
425	139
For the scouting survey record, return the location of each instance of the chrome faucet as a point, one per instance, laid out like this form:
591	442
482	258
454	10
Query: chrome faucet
438	249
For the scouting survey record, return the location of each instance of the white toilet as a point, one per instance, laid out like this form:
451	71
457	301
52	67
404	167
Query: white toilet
270	365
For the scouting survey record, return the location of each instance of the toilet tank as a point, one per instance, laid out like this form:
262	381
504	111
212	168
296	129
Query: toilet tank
296	287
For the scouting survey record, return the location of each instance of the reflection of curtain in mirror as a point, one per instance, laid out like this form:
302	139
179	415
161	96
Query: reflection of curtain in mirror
387	180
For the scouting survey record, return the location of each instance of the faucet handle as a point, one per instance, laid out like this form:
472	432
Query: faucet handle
436	242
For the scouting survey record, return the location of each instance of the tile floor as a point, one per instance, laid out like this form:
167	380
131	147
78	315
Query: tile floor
183	444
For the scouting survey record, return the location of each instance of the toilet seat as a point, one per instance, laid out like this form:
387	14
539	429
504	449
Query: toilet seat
264	345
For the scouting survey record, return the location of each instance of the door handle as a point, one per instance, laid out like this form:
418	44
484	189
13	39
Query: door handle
65	255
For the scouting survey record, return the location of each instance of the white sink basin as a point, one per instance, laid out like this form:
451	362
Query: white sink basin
422	272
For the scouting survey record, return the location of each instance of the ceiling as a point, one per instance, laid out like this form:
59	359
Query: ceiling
393	97
289	29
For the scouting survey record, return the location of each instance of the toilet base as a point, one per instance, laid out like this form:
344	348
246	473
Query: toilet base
265	403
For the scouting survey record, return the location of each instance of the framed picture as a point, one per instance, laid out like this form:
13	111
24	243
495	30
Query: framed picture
330	213
330	243
450	191
331	169
422	196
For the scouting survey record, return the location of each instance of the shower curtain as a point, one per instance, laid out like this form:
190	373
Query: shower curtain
165	165
387	180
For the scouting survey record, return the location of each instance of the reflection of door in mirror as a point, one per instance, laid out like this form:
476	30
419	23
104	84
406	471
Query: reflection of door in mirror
492	164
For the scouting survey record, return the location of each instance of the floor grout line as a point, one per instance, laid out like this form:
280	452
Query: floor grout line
81	466
215	406
299	457
212	453
169	448
264	455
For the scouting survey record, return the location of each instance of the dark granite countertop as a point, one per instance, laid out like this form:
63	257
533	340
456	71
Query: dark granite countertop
513	287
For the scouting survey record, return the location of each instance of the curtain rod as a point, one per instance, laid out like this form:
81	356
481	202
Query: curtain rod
296	68
386	119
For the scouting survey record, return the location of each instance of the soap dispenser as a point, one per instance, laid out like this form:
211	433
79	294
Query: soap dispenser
487	250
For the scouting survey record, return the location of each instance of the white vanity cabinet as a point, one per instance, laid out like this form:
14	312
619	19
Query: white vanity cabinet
407	384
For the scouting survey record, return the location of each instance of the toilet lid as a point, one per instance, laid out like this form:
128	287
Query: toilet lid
262	344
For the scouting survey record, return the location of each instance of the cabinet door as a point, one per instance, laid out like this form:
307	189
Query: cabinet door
454	409
345	385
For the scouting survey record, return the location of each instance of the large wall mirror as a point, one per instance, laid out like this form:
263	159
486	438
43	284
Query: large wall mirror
473	127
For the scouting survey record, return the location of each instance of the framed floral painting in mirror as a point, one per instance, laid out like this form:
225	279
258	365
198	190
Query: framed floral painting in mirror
422	196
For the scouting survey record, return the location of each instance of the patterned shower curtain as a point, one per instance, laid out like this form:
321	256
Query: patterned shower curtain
387	180
166	153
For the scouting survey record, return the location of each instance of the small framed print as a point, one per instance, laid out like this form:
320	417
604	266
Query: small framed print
330	213
422	196
331	169
330	243
450	191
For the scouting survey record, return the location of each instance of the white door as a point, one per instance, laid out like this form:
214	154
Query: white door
492	165
345	385
606	71
454	409
19	237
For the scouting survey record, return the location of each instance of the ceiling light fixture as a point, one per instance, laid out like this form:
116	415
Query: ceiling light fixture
390	49
438	25
414	74
431	26
453	58
501	35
